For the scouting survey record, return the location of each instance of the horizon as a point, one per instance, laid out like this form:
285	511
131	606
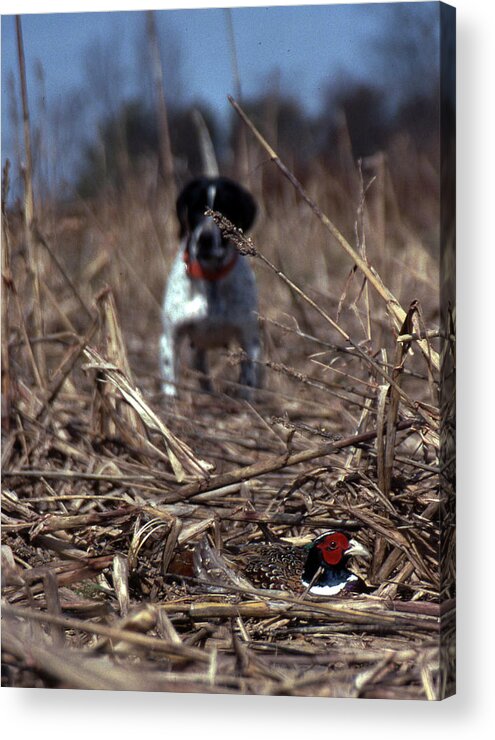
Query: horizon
300	51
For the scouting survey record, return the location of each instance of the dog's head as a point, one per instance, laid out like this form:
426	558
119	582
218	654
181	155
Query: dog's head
205	242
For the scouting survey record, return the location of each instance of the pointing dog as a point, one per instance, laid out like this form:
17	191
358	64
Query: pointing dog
211	294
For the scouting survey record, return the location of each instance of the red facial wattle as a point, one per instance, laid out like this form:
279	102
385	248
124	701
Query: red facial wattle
332	548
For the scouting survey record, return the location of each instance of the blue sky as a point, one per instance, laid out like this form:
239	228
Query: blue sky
312	47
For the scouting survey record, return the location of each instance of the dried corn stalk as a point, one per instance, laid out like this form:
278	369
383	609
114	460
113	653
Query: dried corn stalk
181	457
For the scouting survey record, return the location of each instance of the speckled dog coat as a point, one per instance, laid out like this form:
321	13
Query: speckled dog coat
211	294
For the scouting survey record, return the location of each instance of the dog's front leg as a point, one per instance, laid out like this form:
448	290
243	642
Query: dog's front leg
200	363
250	374
168	353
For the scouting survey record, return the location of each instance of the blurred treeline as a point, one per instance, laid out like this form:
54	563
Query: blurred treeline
129	139
104	136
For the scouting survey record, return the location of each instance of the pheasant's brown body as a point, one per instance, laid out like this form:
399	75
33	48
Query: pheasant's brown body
321	569
274	566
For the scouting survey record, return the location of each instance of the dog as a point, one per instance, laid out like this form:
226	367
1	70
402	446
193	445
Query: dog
211	294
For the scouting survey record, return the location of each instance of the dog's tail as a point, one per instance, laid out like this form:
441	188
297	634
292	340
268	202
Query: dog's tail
208	157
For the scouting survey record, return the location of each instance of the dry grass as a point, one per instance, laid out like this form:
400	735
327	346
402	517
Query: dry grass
107	485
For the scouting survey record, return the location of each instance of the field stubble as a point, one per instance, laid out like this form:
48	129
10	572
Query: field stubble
107	484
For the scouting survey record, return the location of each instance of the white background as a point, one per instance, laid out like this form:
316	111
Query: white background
72	714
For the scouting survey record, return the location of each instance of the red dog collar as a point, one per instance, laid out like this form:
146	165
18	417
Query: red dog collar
196	271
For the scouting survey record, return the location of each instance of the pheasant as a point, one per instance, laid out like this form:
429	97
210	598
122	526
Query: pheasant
319	569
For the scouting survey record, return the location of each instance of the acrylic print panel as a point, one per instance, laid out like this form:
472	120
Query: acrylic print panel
228	337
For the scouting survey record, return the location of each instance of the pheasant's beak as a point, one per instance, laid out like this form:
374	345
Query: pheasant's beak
357	549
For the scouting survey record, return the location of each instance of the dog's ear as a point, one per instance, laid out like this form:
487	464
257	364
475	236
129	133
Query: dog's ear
188	203
247	210
236	203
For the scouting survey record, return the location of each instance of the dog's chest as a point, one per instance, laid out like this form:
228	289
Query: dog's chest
215	314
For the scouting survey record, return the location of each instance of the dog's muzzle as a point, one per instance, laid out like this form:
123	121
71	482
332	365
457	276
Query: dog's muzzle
208	255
